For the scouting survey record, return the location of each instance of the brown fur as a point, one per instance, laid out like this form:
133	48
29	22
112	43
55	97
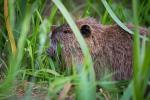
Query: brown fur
110	47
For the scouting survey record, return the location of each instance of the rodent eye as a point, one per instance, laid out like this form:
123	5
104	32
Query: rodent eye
85	30
67	31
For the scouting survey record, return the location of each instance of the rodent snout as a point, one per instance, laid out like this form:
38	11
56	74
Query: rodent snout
51	52
52	49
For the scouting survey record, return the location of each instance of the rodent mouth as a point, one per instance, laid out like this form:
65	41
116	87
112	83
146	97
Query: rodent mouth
51	52
54	54
54	51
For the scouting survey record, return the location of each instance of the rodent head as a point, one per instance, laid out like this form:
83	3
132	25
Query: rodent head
64	36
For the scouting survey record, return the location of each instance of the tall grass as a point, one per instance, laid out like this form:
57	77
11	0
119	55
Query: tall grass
88	93
30	29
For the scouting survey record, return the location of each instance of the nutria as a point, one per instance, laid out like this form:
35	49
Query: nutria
110	47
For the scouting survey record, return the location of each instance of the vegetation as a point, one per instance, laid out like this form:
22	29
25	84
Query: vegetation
25	66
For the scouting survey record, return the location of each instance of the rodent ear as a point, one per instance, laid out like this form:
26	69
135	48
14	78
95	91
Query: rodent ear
85	30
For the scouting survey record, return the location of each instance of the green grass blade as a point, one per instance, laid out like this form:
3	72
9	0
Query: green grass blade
87	95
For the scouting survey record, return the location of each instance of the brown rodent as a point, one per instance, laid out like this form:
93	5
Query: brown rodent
110	47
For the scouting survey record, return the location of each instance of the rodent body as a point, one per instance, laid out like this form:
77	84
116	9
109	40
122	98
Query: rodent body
110	47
